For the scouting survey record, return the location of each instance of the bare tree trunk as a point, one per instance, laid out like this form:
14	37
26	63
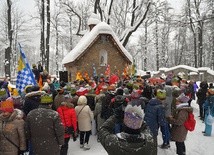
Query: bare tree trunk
70	36
212	60
192	27
177	55
109	12
200	43
48	35
133	13
8	51
156	40
146	38
97	8
42	39
57	50
200	32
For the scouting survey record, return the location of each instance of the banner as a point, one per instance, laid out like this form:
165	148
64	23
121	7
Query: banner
25	75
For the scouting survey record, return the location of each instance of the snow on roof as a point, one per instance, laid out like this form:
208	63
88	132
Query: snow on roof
140	72
94	19
163	69
203	68
210	71
88	38
182	66
193	73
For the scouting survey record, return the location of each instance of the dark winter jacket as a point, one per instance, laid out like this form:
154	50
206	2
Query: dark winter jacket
178	130
118	104
124	143
36	73
13	129
91	101
45	131
201	94
106	110
32	101
154	115
209	105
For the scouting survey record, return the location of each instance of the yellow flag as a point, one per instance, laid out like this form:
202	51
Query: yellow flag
21	65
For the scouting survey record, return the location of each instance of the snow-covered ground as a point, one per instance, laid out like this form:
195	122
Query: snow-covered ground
196	143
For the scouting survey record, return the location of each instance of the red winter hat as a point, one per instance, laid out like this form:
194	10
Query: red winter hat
7	106
82	91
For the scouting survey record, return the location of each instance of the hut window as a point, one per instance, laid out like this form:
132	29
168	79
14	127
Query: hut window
103	58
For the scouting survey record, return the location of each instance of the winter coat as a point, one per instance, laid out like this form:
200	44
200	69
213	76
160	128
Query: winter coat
155	115
168	100
195	86
32	101
97	111
13	129
84	117
178	130
201	94
68	117
118	104
36	73
45	131
107	109
124	143
209	105
91	101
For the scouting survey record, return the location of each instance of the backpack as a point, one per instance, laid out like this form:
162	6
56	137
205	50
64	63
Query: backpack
190	122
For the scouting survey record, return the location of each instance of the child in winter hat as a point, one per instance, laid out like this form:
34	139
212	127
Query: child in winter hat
182	101
7	106
160	94
183	98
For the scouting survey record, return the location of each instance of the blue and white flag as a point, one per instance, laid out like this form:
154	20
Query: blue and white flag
25	75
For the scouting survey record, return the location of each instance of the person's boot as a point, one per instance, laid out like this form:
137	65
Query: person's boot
165	146
86	146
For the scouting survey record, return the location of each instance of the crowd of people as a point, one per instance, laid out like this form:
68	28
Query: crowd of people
127	114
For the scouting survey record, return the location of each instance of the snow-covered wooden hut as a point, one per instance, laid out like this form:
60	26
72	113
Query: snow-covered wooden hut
99	47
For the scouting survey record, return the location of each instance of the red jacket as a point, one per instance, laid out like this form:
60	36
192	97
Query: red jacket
68	117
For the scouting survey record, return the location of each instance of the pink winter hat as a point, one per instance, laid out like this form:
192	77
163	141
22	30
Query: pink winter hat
183	98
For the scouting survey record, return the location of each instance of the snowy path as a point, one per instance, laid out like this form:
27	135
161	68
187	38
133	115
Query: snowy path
196	143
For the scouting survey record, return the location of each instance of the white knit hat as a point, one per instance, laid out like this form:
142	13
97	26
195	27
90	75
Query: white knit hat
82	100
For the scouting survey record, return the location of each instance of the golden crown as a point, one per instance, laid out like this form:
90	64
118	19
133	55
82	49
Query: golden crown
46	99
